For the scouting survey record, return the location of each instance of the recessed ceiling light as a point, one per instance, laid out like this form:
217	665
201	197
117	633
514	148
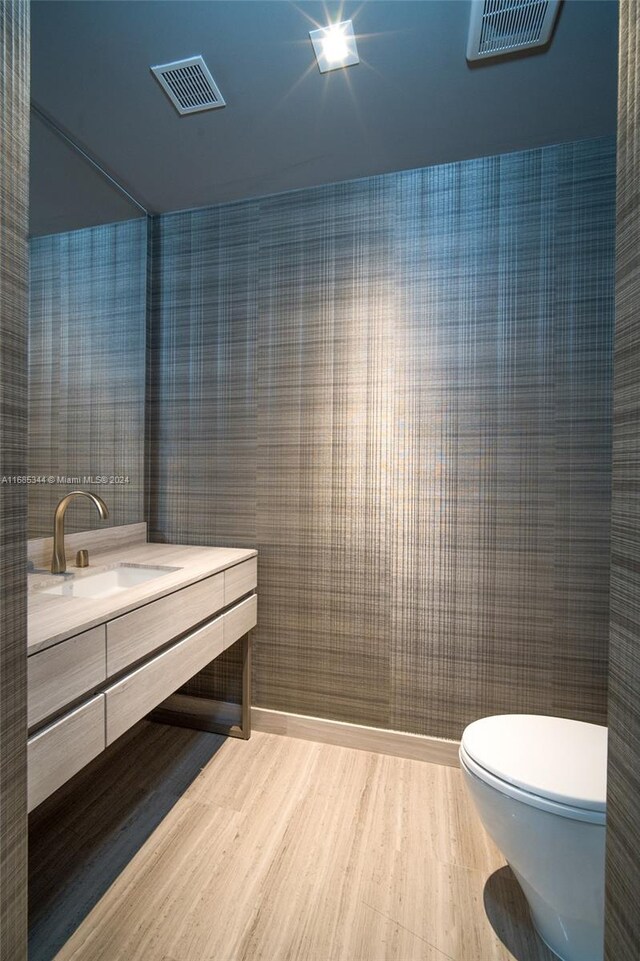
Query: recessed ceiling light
335	46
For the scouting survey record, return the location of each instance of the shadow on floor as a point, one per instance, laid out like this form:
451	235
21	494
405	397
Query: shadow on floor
83	837
507	910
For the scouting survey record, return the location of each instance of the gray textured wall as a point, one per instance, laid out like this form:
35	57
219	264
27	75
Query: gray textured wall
399	390
623	806
87	358
14	166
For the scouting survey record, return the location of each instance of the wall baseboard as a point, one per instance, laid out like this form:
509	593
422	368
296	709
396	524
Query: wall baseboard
416	747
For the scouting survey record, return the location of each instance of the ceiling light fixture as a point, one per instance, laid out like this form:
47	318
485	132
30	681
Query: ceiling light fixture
335	46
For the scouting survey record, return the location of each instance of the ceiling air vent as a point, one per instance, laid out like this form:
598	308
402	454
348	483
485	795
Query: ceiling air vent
189	85
499	27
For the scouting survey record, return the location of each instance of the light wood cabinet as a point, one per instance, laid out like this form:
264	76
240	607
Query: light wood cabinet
62	674
148	653
239	580
138	633
240	619
138	693
63	748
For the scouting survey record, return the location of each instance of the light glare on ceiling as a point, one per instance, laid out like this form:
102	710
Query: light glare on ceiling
335	46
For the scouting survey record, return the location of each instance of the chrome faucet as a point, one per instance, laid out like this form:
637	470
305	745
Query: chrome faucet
59	560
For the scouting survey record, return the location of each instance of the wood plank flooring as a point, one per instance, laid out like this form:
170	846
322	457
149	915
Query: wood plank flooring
182	846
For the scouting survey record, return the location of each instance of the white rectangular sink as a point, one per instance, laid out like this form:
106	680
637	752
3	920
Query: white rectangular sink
119	578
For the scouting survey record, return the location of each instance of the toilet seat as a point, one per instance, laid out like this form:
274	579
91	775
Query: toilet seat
553	764
533	800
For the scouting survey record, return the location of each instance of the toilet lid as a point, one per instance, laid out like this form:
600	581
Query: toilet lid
552	757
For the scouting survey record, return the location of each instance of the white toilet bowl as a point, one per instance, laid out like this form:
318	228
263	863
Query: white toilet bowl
539	785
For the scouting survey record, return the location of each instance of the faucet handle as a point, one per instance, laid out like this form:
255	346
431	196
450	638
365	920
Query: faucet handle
82	559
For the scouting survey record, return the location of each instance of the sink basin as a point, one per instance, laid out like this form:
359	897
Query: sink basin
119	578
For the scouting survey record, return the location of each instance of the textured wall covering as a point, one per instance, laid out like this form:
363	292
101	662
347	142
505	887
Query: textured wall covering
398	389
623	814
14	146
87	343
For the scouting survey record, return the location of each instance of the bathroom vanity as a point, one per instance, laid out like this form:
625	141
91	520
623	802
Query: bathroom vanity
110	643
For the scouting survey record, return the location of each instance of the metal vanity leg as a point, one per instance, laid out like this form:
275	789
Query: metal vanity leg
246	686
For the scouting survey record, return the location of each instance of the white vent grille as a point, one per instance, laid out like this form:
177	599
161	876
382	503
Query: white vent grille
502	26
189	85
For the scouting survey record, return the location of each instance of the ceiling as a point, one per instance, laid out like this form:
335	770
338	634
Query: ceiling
411	102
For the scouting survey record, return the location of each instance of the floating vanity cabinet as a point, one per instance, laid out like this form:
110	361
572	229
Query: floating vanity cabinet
63	748
132	636
62	674
139	692
86	690
240	619
239	580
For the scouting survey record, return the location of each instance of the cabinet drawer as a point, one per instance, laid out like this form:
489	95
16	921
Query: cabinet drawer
59	751
63	673
240	580
140	632
138	693
240	619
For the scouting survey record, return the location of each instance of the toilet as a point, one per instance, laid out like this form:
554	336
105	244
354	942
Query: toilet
539	786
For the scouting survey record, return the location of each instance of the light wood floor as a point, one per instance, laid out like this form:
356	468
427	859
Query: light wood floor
181	846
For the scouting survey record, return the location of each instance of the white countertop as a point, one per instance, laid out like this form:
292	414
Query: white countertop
53	618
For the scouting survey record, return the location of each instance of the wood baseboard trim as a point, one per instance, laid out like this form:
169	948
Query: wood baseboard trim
416	747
